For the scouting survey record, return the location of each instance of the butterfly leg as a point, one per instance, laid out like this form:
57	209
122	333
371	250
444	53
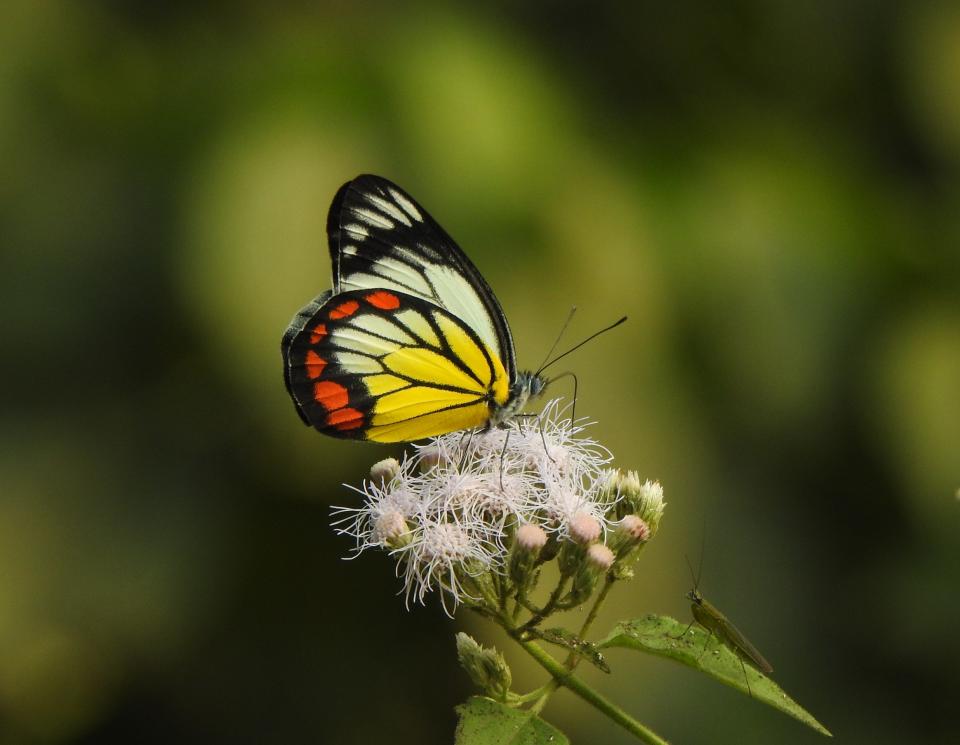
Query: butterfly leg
465	449
543	436
576	388
503	457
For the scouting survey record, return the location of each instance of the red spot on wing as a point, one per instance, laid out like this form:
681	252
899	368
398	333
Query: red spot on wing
330	395
383	300
345	309
314	364
319	331
344	419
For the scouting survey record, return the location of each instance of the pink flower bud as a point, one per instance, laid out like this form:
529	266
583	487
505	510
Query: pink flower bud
600	556
531	537
635	528
584	529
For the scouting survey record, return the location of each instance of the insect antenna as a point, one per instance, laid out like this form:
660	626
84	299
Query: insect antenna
573	310
694	578
703	548
576	385
577	346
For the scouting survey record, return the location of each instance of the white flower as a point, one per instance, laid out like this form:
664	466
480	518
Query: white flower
452	507
444	555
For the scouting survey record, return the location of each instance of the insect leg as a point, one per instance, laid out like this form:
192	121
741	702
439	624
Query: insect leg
576	388
503	457
705	645
465	449
684	632
543	436
543	439
745	676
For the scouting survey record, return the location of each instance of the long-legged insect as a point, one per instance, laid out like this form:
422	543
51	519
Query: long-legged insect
717	624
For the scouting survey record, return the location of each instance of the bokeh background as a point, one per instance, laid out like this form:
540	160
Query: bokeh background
768	189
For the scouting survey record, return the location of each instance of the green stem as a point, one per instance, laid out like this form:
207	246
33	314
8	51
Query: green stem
551	603
567	679
573	658
591	617
535	694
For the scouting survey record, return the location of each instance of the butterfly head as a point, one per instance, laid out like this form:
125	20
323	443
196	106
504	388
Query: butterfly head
528	385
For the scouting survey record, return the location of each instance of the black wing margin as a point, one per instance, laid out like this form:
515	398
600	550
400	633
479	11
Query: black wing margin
379	236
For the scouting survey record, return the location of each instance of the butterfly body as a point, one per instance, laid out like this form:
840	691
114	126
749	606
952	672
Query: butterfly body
411	342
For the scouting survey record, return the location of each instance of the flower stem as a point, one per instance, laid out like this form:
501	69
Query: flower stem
573	658
567	679
551	603
535	694
591	617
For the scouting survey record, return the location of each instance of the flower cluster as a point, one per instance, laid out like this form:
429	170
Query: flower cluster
470	513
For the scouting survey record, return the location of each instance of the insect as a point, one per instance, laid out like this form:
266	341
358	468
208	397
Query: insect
411	342
717	624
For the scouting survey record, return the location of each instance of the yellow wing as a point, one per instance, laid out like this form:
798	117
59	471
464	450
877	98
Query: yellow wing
385	366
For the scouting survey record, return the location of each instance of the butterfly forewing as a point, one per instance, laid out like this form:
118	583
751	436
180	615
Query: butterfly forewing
381	238
388	366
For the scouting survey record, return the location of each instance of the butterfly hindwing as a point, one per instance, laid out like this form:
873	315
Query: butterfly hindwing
381	365
380	237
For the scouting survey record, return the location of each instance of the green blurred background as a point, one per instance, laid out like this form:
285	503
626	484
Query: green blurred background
768	189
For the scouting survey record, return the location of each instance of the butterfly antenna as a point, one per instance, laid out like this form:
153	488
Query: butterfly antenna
573	309
577	346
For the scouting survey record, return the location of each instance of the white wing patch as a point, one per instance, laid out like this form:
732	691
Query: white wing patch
455	293
371	218
359	364
420	326
362	281
407	205
357	230
410	280
355	340
391	210
383	327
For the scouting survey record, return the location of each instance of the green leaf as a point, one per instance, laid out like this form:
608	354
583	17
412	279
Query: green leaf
487	722
660	635
565	638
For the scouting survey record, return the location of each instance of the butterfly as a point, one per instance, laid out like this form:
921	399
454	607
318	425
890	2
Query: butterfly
411	342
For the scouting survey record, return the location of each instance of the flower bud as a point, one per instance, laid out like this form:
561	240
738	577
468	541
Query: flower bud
651	504
391	529
631	531
645	500
528	543
531	538
600	557
608	493
584	529
384	471
486	667
598	560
